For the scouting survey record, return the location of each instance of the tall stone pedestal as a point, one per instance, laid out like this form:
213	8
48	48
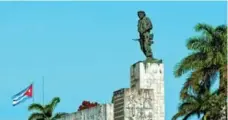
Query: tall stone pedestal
147	76
144	100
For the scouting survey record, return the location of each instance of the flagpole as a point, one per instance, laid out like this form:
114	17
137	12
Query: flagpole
33	91
43	89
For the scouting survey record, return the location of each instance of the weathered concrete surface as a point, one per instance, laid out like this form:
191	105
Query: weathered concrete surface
100	112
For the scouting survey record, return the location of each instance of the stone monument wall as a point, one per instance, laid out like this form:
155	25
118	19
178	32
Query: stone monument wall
145	99
150	76
100	112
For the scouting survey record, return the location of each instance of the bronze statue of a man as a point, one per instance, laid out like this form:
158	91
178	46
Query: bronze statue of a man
144	28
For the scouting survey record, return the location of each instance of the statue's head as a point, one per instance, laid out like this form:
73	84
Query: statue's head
141	14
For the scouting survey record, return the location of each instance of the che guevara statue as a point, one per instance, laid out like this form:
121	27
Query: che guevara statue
146	38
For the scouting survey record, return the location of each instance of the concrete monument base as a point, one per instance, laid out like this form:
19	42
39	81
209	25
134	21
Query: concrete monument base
145	99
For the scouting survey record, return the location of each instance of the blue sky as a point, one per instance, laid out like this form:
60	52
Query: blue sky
84	49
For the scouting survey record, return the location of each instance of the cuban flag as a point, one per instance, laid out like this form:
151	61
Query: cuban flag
23	95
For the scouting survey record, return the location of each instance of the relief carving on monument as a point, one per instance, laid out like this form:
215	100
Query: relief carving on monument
139	105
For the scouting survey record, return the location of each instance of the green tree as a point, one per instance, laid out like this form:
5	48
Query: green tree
45	112
207	60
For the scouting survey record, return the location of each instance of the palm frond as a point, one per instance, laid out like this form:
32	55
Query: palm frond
198	44
179	114
191	84
199	81
48	110
221	28
59	115
193	61
36	106
36	116
190	114
190	105
54	102
208	30
209	77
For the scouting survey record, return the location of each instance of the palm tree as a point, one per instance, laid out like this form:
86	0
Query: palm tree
45	112
191	106
207	60
206	104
